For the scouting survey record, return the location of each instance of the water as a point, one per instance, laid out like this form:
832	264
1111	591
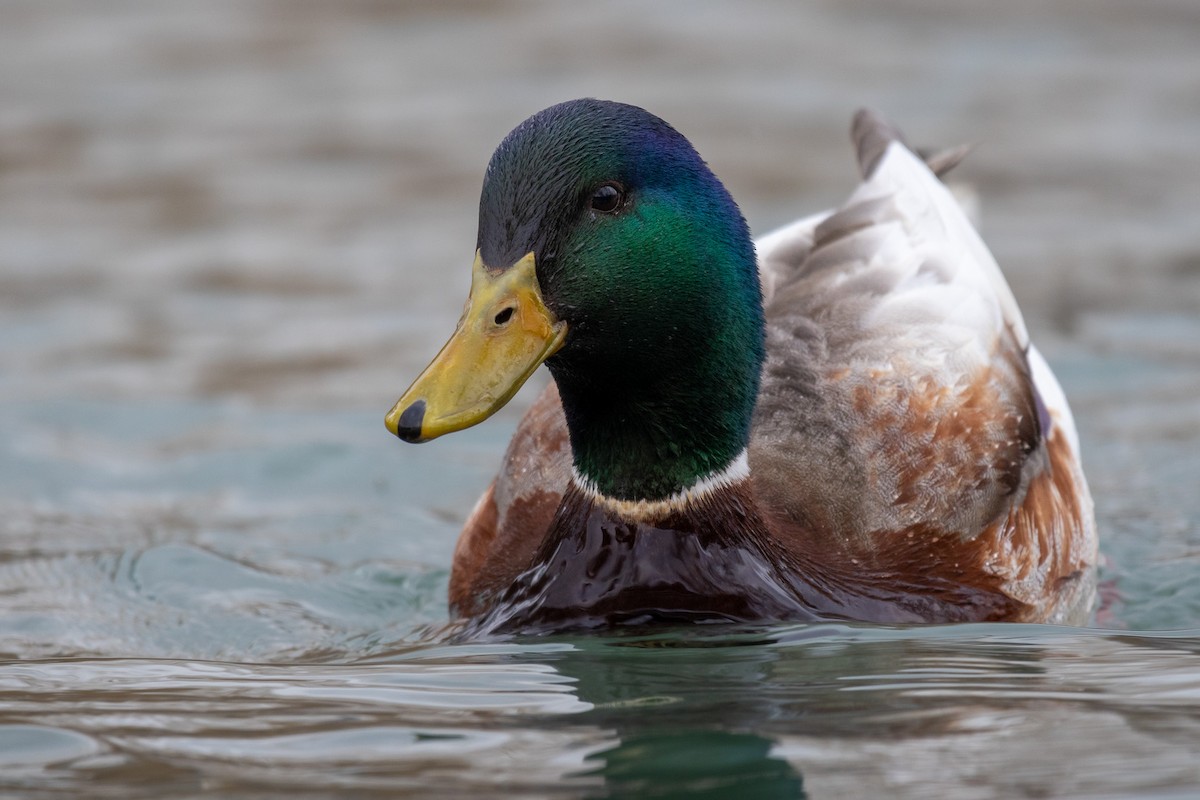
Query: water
835	711
229	235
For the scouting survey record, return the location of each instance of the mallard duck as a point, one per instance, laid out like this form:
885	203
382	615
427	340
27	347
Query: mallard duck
848	421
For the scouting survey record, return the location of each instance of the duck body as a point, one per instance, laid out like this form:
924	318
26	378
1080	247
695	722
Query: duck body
846	421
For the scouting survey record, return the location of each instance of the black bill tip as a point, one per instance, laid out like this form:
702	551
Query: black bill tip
409	426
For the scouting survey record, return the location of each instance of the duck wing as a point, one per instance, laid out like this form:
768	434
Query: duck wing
898	390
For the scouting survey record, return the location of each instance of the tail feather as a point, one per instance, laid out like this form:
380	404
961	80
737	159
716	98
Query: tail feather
942	161
872	134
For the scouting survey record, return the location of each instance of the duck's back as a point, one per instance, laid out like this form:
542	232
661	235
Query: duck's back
904	419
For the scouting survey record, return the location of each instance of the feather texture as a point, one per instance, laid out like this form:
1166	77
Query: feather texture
909	445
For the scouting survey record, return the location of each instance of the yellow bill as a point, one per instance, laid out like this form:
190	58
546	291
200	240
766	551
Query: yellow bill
505	332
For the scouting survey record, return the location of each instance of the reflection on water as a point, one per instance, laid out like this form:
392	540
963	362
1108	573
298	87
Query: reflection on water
775	712
698	763
228	232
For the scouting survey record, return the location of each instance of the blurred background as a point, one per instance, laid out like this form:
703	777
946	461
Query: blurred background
231	233
275	201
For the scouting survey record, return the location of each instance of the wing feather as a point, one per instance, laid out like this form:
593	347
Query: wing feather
897	391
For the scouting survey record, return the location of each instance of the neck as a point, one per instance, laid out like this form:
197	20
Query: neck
664	401
654	439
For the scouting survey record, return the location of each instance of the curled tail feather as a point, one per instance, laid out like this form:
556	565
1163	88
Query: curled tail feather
872	134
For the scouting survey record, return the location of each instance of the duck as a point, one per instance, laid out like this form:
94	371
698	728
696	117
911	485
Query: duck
845	420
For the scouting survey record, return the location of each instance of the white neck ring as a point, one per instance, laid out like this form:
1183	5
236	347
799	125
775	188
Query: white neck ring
734	473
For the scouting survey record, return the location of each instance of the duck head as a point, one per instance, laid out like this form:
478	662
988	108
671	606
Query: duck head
608	250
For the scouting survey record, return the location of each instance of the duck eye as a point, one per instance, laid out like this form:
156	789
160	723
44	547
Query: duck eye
607	198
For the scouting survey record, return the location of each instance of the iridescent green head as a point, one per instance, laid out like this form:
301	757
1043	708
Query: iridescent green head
637	267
